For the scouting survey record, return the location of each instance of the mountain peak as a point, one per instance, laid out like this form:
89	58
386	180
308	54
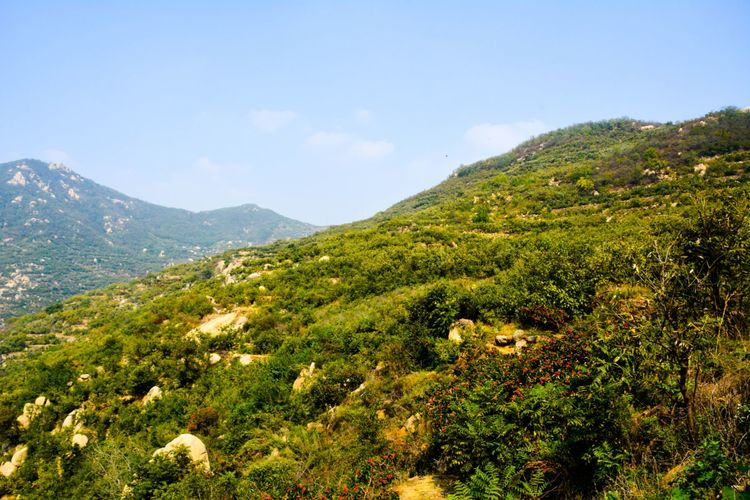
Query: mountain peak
63	233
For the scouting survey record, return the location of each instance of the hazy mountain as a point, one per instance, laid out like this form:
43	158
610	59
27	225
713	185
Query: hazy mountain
61	234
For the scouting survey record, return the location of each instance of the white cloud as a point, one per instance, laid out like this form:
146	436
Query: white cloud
362	115
349	145
501	137
267	120
58	155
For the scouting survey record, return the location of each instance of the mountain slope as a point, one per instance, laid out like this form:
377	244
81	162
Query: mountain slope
63	234
343	364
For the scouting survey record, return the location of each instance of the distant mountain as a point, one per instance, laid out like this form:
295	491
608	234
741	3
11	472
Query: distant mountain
61	234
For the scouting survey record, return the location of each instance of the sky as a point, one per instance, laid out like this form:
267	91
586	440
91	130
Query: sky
329	112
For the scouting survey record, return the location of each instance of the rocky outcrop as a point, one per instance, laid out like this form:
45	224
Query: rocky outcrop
412	423
217	324
304	376
246	359
419	488
31	411
195	448
461	330
19	457
7	469
80	440
73	420
503	340
153	394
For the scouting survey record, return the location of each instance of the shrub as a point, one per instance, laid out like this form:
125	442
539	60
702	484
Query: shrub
203	420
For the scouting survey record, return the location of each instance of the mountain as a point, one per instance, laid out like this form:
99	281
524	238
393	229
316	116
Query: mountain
567	320
63	234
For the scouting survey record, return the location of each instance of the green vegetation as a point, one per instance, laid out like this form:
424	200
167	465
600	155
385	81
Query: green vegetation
619	250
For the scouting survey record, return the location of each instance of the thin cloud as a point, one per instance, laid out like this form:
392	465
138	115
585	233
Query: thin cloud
267	120
349	145
501	137
362	115
56	155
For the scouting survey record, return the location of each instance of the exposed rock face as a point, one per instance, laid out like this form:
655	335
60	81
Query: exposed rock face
31	411
412	423
7	469
216	324
194	446
460	330
80	440
19	457
419	488
73	420
153	394
503	340
246	359
304	376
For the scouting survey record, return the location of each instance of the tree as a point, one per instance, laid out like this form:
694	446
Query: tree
699	282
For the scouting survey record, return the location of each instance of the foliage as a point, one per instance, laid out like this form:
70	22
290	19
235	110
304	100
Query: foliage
637	295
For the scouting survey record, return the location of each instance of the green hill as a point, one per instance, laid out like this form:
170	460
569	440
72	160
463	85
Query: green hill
63	234
567	320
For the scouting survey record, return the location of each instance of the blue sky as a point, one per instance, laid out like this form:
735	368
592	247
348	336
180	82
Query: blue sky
331	111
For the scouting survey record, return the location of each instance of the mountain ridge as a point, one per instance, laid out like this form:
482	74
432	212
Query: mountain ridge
48	210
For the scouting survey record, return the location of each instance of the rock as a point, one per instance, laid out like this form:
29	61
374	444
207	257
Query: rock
304	375
246	359
217	324
23	421
254	276
419	488
72	420
518	335
83	377
195	448
153	394
31	411
520	344
503	340
7	469
324	258
19	457
455	337
80	440
531	339
100	370
42	401
460	330
262	289
412	423
214	358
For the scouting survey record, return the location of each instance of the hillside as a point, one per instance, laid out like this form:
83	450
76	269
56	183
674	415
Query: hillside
63	234
566	320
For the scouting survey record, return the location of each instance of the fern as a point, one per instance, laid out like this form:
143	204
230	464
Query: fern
490	484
